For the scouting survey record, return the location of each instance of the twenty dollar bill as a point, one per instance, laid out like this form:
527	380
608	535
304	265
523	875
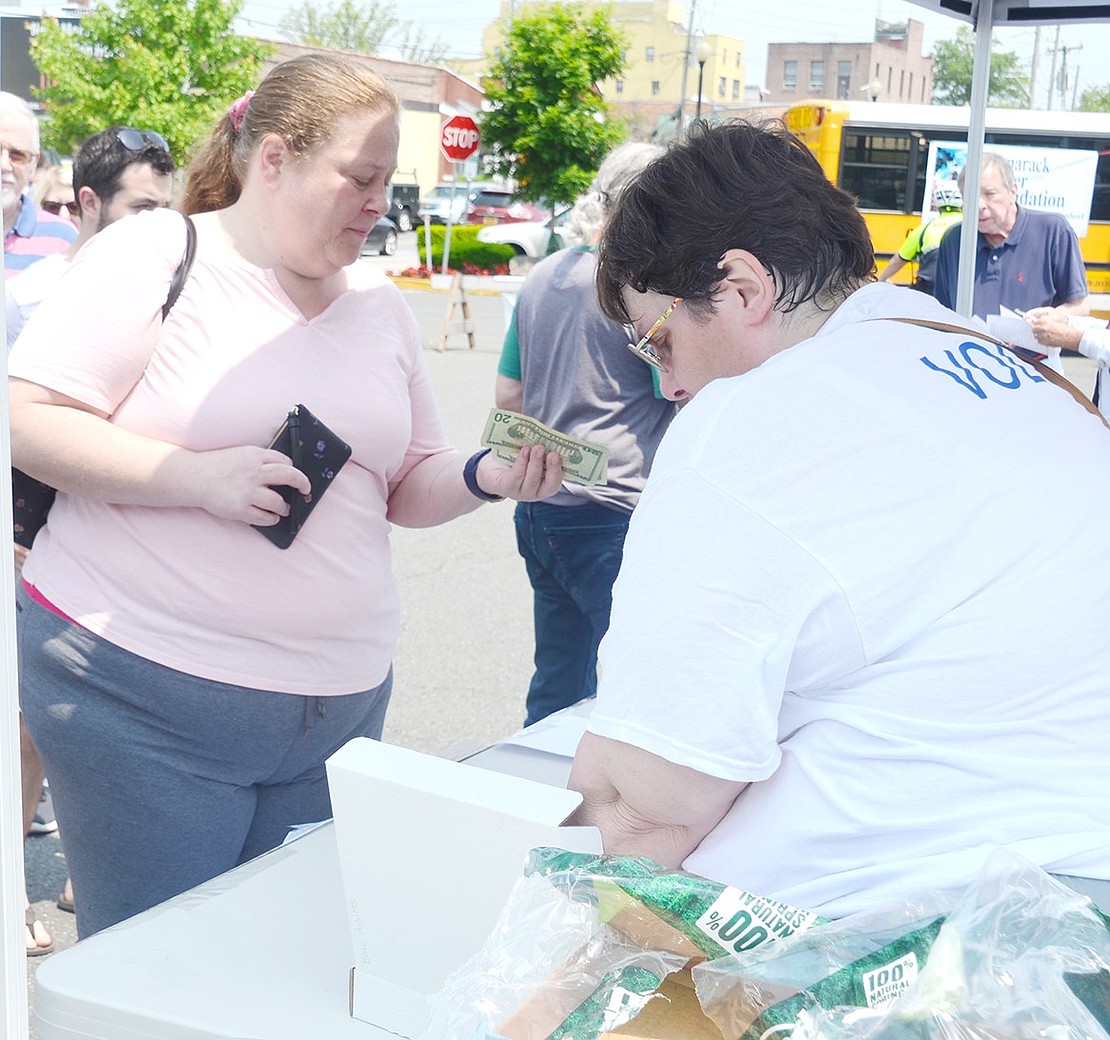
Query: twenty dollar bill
584	462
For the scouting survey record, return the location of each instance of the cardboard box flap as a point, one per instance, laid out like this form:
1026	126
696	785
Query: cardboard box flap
452	781
429	850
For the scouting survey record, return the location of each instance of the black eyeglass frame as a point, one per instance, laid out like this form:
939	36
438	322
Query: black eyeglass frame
74	207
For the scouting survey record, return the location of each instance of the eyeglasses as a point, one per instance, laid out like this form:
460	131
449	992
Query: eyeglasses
19	156
137	140
56	208
643	348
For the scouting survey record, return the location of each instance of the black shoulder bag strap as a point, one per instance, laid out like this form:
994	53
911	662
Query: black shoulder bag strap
181	275
1020	353
32	499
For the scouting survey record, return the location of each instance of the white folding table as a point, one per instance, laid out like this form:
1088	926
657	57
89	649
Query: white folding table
262	952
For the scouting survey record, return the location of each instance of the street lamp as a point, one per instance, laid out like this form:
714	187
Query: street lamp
872	89
703	49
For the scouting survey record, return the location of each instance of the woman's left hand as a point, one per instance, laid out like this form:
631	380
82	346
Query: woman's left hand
536	474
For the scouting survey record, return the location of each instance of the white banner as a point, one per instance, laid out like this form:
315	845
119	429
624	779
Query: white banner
1061	180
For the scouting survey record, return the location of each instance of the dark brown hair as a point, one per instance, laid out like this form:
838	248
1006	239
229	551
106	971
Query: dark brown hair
301	101
736	185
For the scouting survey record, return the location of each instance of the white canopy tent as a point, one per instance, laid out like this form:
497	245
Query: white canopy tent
13	955
985	15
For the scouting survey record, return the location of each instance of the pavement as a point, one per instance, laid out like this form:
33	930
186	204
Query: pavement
463	659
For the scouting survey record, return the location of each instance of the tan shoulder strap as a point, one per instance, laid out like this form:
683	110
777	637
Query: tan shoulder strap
1026	356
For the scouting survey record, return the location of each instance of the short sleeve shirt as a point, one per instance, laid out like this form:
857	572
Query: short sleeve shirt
35	234
1038	265
180	586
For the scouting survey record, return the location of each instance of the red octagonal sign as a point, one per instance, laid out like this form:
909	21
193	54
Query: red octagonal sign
460	138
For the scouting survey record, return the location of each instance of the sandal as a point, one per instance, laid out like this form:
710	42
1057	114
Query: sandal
32	922
66	904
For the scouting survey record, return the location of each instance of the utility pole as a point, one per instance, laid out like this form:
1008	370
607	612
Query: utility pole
1033	65
1062	83
685	70
1052	75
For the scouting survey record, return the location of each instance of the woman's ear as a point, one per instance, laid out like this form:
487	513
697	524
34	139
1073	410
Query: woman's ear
751	281
271	157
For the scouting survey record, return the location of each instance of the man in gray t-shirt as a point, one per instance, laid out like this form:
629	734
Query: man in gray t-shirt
567	365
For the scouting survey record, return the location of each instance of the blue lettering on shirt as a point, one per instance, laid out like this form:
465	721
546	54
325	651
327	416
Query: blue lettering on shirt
983	365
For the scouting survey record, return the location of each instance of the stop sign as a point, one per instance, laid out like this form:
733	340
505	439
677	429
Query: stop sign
460	138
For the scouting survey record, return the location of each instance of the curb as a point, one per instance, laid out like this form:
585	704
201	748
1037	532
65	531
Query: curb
475	285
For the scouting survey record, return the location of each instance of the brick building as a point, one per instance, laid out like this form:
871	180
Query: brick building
889	68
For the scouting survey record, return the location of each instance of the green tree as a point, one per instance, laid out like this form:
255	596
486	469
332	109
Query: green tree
165	65
547	125
344	24
365	27
1095	99
413	45
953	61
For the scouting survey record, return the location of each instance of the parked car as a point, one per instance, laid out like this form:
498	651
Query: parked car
382	239
437	205
501	206
530	238
404	205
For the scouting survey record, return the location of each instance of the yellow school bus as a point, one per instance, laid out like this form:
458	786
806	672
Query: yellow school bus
879	152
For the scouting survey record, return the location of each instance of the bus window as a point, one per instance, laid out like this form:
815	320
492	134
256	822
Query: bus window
875	168
1100	200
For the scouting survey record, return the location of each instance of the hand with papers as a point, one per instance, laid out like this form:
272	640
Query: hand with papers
1055	327
1013	327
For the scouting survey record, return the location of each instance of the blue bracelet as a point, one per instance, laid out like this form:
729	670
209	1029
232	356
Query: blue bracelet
470	478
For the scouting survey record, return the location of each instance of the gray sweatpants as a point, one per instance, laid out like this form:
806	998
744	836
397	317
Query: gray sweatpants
161	780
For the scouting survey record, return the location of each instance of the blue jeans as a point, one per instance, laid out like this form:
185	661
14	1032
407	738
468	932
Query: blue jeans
162	780
572	554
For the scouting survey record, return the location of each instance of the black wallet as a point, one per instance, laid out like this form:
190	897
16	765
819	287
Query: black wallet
319	454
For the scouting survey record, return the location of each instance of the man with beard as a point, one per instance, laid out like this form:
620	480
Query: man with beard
117	172
30	233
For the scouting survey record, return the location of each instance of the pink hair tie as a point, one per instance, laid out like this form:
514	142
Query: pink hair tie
237	109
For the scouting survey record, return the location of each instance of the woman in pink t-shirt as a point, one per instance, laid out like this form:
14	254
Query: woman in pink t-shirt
183	677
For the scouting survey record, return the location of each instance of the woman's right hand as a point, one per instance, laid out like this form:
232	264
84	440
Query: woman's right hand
239	483
1051	329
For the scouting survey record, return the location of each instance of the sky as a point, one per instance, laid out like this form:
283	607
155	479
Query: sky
758	23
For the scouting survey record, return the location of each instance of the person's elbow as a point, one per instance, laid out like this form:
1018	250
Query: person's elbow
625	832
1080	306
508	393
644	805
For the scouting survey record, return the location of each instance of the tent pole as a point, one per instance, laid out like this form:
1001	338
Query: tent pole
980	84
13	955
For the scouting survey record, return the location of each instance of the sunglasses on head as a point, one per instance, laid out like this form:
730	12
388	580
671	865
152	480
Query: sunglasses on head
56	207
137	140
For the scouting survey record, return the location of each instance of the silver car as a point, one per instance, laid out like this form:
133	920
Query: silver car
437	204
529	238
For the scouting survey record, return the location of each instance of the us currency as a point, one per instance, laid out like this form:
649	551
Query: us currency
584	462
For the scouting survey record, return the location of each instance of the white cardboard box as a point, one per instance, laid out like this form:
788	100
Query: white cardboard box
429	850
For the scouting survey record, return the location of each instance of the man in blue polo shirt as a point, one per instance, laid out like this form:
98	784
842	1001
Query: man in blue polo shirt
30	233
1025	258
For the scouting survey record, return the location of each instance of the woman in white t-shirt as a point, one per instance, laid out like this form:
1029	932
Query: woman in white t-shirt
183	678
1059	328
